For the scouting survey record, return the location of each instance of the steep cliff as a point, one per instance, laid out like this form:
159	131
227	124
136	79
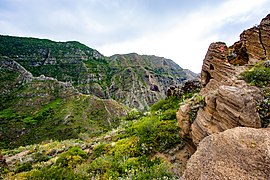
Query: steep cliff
140	80
135	80
229	101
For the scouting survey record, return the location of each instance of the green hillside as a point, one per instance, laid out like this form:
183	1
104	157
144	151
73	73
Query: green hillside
141	79
34	109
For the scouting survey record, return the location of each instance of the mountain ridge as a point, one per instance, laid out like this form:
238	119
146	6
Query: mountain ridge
92	73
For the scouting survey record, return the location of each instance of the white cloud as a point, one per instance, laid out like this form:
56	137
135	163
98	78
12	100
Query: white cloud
187	42
181	31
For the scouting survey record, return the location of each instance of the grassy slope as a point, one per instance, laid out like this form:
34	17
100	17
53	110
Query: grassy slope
48	109
128	151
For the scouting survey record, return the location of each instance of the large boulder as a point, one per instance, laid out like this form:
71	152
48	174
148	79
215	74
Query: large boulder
239	153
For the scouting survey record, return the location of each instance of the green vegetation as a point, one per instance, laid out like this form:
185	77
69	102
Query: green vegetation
127	152
259	76
263	107
48	130
66	61
196	102
71	158
37	110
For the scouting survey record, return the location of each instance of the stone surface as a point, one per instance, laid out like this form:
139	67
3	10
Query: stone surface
187	86
184	122
254	42
239	153
140	80
226	108
11	65
229	102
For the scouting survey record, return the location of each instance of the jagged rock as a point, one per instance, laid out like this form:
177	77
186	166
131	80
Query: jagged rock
239	153
216	69
187	86
229	102
254	43
142	80
226	108
184	122
265	35
11	65
137	81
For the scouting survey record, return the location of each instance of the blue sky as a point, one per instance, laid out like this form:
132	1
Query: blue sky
175	29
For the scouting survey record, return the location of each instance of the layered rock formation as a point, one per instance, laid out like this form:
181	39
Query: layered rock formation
239	153
138	81
229	102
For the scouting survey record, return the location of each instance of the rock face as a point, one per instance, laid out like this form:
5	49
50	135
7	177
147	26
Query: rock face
140	80
229	102
134	80
228	107
187	86
239	153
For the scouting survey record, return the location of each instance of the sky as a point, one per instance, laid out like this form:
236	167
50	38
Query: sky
180	30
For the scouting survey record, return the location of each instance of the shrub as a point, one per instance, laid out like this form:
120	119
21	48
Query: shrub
23	167
39	157
71	158
133	114
263	108
100	149
127	147
169	103
53	172
257	76
169	114
111	167
155	134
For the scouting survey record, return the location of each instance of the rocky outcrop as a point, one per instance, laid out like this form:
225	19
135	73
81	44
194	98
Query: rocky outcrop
239	153
229	102
226	108
188	86
11	65
216	69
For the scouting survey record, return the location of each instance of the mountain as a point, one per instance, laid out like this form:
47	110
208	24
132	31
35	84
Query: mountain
67	88
135	80
34	109
141	80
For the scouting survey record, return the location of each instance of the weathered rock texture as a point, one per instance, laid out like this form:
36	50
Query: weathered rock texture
135	80
140	80
187	86
229	102
239	153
